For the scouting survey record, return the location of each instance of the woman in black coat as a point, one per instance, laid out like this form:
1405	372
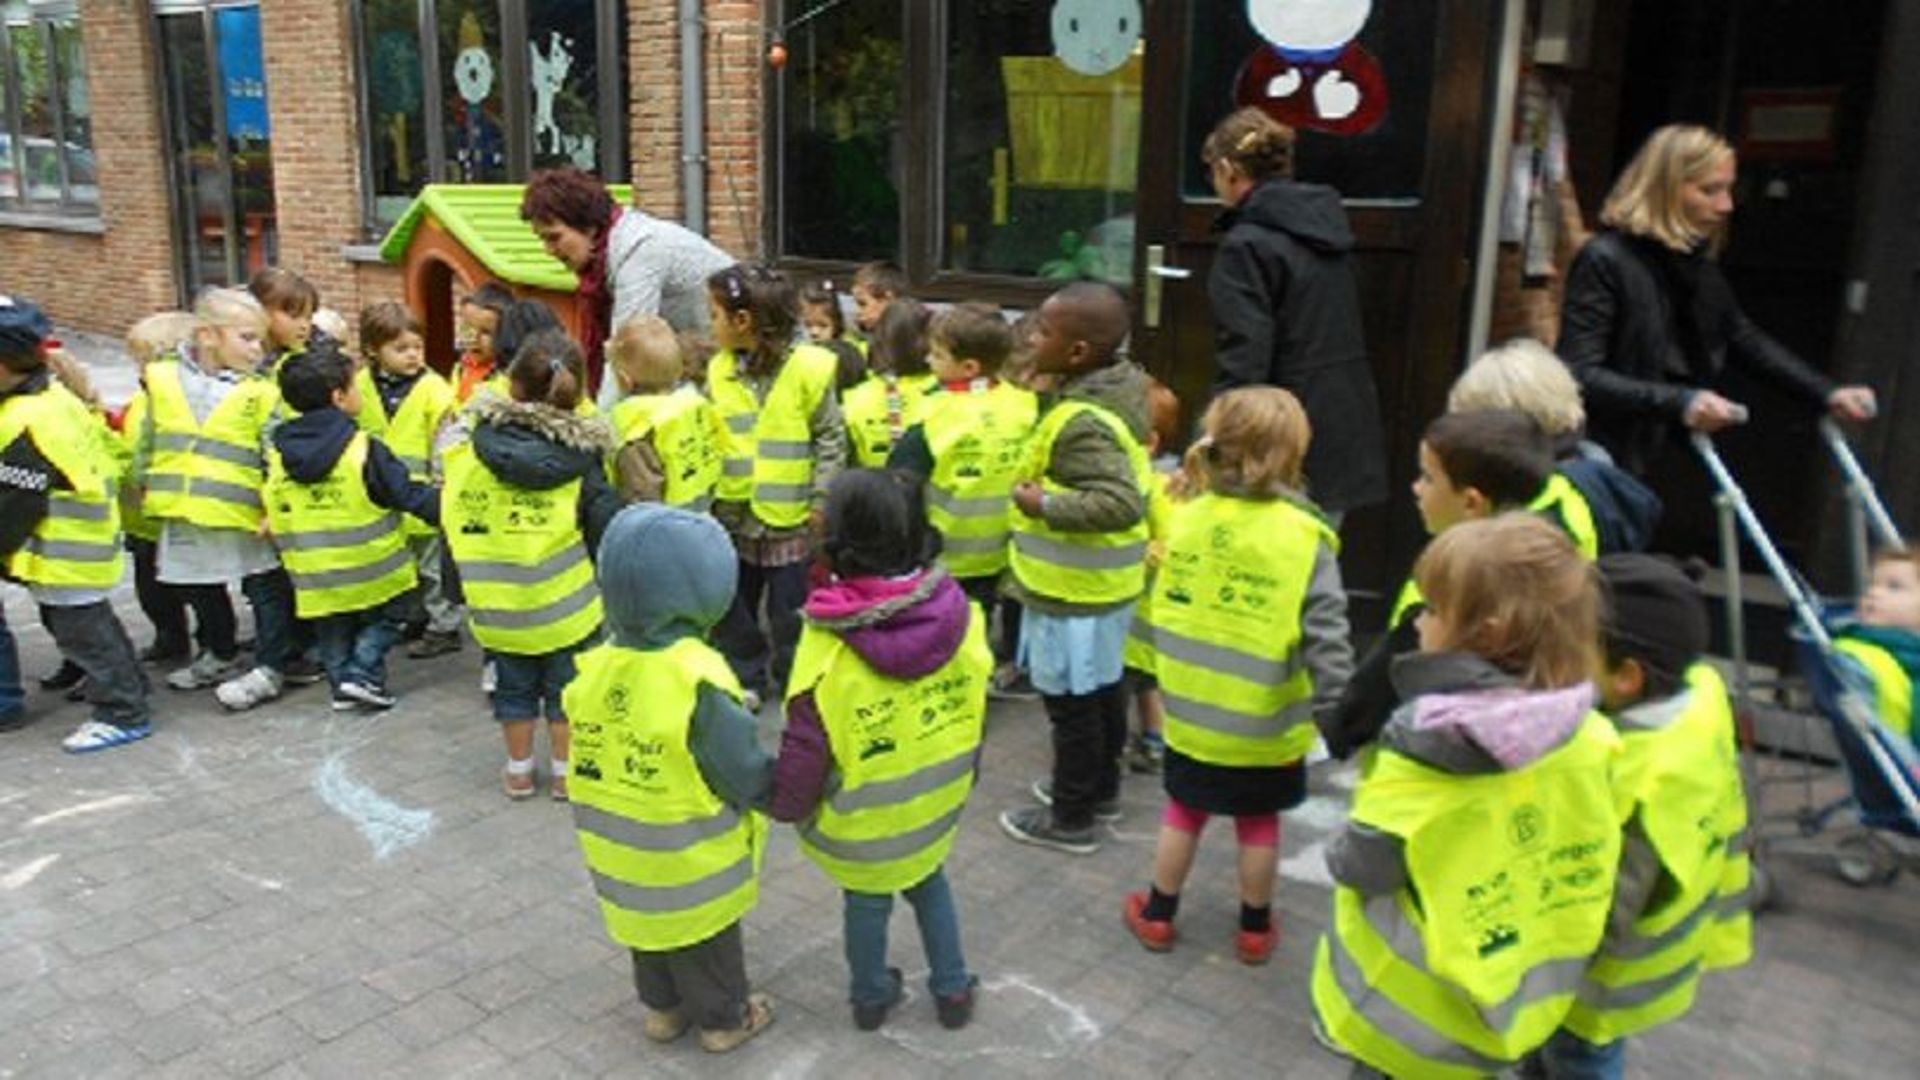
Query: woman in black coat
1285	308
1649	322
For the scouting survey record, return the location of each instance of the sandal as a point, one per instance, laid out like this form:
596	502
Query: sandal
759	1015
557	787
94	735
518	786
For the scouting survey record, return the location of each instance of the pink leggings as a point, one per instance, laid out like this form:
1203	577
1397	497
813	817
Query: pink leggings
1253	830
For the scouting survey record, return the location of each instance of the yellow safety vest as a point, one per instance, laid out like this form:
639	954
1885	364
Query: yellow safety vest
687	434
904	753
1571	512
343	552
410	431
1225	615
879	409
207	474
76	547
1892	686
977	439
1137	652
1474	963
769	453
133	518
1682	782
1079	567
522	559
672	863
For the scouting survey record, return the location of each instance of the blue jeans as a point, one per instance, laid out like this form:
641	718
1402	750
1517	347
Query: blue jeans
12	696
1569	1057
353	645
270	594
866	933
526	686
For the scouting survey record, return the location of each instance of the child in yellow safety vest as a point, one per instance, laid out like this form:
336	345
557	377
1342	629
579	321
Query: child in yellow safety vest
882	406
876	285
882	743
1680	904
1248	638
404	403
1473	879
670	436
290	302
785	442
480	312
1882	641
669	778
1147	744
60	535
335	498
1078	557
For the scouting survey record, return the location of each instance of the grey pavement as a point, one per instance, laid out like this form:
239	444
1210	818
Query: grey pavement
294	892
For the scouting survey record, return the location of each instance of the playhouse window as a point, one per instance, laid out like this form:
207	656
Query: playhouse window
46	114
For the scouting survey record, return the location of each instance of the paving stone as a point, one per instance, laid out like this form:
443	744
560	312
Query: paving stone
432	1019
251	1049
163	1038
333	1012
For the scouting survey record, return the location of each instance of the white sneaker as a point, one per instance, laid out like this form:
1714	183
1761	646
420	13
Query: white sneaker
206	670
260	685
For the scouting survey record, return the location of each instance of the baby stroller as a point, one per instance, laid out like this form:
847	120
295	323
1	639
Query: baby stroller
1882	769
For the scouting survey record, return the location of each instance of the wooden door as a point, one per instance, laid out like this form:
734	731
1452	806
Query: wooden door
1411	185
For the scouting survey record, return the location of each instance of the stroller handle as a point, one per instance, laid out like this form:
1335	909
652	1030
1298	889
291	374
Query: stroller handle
1859	486
1803	605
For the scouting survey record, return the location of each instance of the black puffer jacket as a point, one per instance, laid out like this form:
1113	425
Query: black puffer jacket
540	447
1287	314
1644	327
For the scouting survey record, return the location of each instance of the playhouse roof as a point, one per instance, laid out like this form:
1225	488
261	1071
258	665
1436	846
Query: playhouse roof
486	219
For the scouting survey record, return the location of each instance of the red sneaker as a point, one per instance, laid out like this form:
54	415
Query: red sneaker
1156	934
1255	946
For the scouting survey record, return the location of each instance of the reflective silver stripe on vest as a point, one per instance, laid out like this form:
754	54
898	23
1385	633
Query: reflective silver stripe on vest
72	509
1395	1022
213	490
1543	980
1635	946
1736	844
740	423
1227	722
337	538
77	551
61	595
488	572
1225	660
200	446
664	899
351	575
783	493
1079	556
784	450
1731	906
643	836
973	545
496	619
737	466
903	788
885	848
971	506
1634	995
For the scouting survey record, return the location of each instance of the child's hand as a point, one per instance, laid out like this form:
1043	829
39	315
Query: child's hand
1028	497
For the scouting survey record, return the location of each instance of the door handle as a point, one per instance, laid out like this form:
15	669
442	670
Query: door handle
1171	273
1158	274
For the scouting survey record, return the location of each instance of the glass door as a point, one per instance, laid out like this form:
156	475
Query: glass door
219	143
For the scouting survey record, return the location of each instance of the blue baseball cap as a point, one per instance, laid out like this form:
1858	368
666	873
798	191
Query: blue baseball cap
23	326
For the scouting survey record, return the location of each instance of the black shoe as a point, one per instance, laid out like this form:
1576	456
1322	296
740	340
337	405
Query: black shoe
1108	811
1034	825
13	719
869	1017
955	1011
302	671
77	692
165	653
65	677
434	643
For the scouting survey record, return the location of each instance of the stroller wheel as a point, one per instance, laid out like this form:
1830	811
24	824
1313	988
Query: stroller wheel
1862	861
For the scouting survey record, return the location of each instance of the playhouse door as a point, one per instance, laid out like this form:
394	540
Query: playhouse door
219	147
1395	119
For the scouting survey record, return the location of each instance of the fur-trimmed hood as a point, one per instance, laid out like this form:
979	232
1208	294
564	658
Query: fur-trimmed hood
535	445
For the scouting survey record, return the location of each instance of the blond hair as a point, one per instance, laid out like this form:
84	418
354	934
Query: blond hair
1645	201
1254	441
1525	376
159	335
1252	142
647	353
1513	590
334	325
222	307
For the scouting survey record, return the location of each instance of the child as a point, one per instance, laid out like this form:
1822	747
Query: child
1472	465
404	403
785	443
1079	559
61	535
1248	629
876	285
333	325
334	497
480	312
1484	840
1883	640
524	319
1678	906
1145	746
852	359
822	317
879	409
200	460
154	338
675	903
884	717
968	447
524	500
670	436
290	301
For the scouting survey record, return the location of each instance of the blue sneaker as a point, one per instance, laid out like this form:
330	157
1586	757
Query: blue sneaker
94	735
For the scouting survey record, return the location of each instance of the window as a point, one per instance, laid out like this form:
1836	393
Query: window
842	145
482	91
46	115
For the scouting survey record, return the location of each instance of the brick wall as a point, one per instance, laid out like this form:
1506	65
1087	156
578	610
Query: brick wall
653	106
736	74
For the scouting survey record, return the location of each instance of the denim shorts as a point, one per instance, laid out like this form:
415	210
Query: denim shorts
523	685
1073	654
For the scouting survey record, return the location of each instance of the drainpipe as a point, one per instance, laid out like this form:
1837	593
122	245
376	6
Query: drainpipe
1506	92
693	116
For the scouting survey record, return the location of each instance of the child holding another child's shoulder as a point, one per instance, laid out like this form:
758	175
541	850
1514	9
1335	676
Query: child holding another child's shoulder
669	435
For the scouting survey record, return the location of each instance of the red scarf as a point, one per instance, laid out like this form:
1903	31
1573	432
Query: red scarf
595	294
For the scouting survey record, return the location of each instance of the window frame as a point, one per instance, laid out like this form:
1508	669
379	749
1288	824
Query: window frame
610	20
40	17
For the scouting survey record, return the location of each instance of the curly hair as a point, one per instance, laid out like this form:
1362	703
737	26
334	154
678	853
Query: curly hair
569	196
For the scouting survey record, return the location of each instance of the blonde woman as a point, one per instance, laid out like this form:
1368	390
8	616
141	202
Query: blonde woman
1650	324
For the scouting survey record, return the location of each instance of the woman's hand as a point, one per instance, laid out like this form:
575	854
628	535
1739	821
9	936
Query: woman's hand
1709	412
1855	404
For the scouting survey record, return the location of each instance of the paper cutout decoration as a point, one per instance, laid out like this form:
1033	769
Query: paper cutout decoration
1094	37
1312	73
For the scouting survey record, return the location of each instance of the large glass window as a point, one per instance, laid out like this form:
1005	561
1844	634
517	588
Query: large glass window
46	116
842	143
474	91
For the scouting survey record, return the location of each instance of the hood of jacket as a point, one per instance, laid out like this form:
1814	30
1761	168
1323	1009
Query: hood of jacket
537	446
906	627
311	443
1625	511
665	574
1463	715
1310	213
1122	388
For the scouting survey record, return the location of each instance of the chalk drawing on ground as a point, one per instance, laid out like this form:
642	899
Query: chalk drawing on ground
1050	1026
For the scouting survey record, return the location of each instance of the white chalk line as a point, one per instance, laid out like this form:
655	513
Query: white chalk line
23	875
269	884
387	825
1072	1030
111	802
